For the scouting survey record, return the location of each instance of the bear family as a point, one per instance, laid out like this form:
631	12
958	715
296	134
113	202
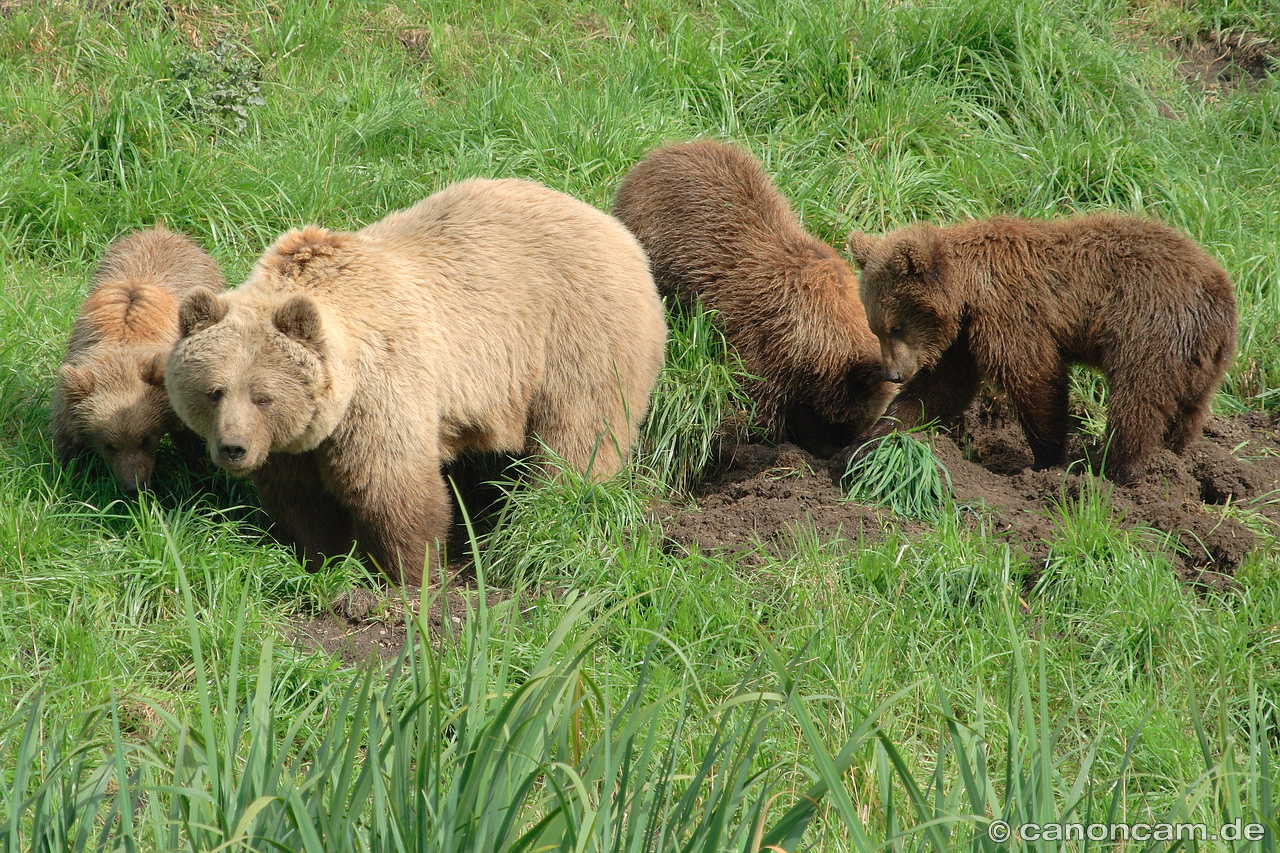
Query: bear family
716	229
110	394
494	315
1017	301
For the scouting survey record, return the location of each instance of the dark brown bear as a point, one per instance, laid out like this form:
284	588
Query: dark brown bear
716	228
1018	301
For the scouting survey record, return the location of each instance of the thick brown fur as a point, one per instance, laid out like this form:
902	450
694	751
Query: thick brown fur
1017	301
492	316
716	229
110	394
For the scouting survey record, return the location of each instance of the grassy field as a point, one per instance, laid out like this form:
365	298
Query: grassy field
898	694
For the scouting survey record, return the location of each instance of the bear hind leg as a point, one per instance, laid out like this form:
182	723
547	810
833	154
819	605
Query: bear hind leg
594	440
1193	410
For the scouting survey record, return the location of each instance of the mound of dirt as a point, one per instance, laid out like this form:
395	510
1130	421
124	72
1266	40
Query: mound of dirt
766	492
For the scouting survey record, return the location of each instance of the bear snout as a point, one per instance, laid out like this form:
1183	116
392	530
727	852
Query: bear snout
233	450
133	475
891	375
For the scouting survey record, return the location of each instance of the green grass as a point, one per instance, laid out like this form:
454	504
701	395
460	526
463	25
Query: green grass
901	474
897	692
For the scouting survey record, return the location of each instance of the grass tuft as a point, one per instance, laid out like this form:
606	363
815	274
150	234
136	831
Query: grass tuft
902	474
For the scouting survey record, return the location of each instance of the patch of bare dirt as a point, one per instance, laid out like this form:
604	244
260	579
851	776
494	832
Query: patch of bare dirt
364	625
1225	60
769	491
1236	462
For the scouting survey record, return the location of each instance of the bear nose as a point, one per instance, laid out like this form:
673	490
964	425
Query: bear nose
232	452
891	375
130	488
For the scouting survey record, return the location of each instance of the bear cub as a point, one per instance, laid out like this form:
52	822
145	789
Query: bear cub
717	229
1018	301
110	393
492	316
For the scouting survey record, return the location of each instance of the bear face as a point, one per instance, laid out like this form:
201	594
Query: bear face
909	306
116	405
249	387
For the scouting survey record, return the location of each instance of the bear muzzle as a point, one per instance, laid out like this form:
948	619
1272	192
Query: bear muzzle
232	454
233	450
132	475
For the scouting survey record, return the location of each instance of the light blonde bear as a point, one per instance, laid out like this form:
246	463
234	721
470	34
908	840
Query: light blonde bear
495	315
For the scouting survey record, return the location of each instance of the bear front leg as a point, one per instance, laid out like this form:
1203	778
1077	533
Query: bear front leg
291	490
64	444
1041	403
401	513
940	393
191	448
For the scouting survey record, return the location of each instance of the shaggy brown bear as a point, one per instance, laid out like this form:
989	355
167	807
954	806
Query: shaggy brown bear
716	229
1018	301
110	394
491	316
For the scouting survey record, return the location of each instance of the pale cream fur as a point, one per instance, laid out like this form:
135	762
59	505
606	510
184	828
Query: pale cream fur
493	315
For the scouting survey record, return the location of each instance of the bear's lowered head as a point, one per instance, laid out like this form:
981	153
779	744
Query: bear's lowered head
909	301
116	404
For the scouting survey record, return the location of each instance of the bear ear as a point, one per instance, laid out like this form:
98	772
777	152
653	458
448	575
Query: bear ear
861	246
917	254
77	382
152	370
299	318
199	310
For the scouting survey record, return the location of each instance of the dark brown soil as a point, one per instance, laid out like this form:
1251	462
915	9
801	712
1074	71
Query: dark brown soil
1214	61
767	492
365	625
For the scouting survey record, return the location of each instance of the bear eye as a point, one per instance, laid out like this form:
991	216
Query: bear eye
215	396
896	330
263	402
110	448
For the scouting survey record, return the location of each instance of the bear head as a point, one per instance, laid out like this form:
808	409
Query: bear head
251	374
116	404
909	299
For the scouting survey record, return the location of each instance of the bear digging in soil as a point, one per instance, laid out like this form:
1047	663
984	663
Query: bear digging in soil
1017	301
110	394
716	229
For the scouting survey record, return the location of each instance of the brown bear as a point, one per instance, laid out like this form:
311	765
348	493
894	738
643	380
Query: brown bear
110	393
716	229
1017	301
495	315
